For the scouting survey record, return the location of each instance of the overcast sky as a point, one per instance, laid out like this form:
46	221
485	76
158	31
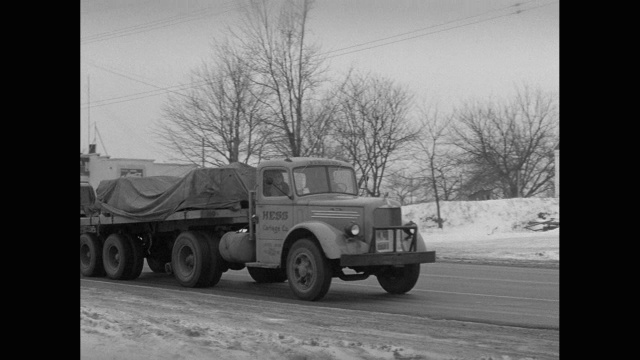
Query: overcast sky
446	51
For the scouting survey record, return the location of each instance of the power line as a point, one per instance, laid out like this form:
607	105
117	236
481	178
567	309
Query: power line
517	12
118	73
425	28
146	94
142	95
153	25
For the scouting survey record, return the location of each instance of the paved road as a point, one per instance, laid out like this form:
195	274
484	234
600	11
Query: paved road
503	295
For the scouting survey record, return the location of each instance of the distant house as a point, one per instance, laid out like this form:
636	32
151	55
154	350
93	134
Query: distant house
95	168
557	163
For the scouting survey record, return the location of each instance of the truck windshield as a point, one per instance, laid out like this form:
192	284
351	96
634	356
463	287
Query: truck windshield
324	179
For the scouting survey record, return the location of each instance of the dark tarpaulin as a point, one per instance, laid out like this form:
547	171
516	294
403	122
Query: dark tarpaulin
157	197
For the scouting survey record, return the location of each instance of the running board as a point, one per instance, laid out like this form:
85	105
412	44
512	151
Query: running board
352	277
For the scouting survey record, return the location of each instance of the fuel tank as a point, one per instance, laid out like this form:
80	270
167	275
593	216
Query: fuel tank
237	247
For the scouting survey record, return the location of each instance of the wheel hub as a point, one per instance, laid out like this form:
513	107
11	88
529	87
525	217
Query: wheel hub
303	270
85	255
186	260
114	257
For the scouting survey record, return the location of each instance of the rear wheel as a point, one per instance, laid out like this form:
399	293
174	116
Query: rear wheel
137	258
217	262
308	270
191	260
399	280
261	275
117	256
91	255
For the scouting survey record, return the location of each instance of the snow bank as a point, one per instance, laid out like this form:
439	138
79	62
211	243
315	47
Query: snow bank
483	217
491	231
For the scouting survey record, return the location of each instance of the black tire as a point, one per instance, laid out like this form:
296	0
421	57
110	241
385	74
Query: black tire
308	270
399	280
91	256
263	276
137	259
156	264
218	264
191	260
117	256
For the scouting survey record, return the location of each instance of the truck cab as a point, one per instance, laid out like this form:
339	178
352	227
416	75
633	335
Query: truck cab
315	202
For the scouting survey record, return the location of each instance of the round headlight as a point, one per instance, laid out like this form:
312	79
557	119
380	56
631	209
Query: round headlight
352	229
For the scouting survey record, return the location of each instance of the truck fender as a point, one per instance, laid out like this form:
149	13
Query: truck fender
420	244
327	236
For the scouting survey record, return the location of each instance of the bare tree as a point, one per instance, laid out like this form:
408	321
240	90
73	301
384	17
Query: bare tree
372	124
289	72
512	144
434	157
219	120
404	185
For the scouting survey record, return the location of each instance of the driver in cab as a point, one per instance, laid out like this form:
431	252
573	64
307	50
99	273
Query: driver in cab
274	184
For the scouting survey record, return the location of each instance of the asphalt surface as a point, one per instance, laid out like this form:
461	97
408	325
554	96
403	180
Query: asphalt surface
525	297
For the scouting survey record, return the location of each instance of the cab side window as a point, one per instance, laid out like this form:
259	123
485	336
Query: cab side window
275	183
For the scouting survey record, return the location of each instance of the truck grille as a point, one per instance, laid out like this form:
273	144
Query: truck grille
387	217
334	214
385	239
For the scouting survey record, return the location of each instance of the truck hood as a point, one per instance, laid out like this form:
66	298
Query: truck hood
346	200
341	210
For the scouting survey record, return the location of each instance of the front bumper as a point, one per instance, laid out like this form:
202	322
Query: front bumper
391	258
389	253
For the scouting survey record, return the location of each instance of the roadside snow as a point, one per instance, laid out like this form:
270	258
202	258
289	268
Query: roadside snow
492	230
484	217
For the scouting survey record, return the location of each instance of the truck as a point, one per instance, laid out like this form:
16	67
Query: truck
298	220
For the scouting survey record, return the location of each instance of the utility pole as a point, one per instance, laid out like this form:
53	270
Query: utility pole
203	151
88	114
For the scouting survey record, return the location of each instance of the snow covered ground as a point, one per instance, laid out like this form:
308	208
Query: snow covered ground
490	231
150	323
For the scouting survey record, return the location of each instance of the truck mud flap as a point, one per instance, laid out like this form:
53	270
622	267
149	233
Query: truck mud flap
388	258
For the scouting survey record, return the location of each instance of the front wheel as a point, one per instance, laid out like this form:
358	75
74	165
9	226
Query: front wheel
399	280
308	270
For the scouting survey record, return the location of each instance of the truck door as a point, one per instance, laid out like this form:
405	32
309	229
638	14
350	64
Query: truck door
274	210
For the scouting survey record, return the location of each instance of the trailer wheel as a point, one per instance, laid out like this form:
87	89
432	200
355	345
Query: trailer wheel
308	270
399	280
137	258
117	256
262	275
191	260
91	255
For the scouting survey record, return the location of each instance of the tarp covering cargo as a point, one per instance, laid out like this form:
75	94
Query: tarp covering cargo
157	197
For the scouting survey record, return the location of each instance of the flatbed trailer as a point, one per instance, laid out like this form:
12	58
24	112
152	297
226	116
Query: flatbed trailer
180	219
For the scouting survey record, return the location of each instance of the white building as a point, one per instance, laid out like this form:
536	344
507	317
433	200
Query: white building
95	168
